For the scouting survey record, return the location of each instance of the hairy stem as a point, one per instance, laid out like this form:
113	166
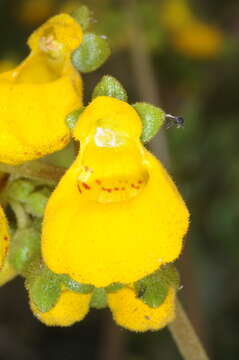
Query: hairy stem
37	170
185	337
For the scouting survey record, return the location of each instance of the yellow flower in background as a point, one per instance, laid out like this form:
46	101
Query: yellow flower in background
34	12
70	308
38	94
187	33
116	216
175	14
131	313
199	40
4	237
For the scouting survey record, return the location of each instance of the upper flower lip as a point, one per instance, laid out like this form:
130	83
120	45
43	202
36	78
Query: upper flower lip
38	94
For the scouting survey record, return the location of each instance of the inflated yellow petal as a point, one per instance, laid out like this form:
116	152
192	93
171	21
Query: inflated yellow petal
199	40
38	94
116	216
4	237
70	308
131	313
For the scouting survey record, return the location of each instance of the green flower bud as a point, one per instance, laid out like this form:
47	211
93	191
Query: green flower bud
153	289
73	117
83	16
44	288
20	189
109	86
152	118
91	54
25	246
99	298
73	285
114	287
37	201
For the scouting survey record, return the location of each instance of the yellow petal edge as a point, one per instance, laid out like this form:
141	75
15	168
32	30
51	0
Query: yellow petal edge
116	215
37	95
132	314
70	308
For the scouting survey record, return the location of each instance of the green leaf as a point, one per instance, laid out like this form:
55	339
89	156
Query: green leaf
20	189
36	202
152	119
109	86
44	289
99	298
82	15
91	54
76	286
72	118
25	245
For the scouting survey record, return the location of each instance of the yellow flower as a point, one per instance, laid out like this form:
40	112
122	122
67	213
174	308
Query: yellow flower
4	237
131	313
70	308
175	14
38	94
199	40
116	216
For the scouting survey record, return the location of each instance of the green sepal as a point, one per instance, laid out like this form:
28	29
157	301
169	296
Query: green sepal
73	285
44	288
153	289
36	202
91	54
114	287
109	86
152	118
99	298
20	189
72	118
82	15
24	247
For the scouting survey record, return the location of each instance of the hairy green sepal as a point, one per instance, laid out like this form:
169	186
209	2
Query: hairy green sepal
25	246
82	15
109	86
75	286
44	288
99	298
152	119
72	118
91	54
153	289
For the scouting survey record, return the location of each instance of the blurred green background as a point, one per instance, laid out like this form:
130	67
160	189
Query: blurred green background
189	51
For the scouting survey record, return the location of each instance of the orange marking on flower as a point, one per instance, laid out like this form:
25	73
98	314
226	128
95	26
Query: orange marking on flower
78	186
116	189
106	189
86	186
98	181
123	188
135	186
140	182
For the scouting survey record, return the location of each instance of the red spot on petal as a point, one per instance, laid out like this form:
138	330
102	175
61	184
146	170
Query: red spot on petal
134	186
78	186
140	182
38	153
116	189
123	188
86	186
5	238
98	181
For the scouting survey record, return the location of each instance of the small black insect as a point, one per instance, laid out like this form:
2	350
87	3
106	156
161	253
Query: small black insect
171	120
